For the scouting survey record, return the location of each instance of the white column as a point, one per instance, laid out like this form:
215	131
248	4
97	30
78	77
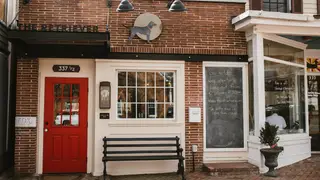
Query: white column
258	82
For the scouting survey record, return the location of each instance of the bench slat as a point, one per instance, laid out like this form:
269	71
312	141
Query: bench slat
139	158
140	145
141	152
141	139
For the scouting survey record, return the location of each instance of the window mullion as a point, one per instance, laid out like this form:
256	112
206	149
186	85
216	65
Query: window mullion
136	95
127	93
155	95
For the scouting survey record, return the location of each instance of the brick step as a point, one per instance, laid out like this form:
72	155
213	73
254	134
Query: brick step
233	168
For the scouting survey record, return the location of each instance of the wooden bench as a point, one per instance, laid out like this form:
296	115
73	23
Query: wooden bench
127	153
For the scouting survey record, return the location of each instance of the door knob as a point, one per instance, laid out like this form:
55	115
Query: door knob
46	130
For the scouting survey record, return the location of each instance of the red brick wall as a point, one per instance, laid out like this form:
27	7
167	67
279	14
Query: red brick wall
204	29
27	105
193	98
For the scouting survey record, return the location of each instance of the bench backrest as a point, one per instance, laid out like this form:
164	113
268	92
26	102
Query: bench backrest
160	145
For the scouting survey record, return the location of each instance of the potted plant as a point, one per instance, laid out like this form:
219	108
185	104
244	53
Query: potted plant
268	136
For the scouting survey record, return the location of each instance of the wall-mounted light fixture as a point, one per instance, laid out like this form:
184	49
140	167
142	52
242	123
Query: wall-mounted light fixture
105	95
176	6
173	6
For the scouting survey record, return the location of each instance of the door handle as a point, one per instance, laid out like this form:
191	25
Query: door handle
45	130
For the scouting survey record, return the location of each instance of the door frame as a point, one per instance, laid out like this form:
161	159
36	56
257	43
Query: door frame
87	71
244	66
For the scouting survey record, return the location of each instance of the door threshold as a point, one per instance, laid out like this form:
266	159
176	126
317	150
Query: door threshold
315	152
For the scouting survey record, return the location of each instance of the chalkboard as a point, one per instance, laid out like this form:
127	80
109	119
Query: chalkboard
224	107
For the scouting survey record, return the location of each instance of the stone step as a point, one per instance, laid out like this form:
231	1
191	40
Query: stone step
233	168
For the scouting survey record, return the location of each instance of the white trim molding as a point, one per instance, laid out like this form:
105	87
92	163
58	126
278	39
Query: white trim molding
228	1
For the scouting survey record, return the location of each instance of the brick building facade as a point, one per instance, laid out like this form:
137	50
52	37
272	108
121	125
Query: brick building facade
204	30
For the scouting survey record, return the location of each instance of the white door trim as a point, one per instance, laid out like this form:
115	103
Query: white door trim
244	66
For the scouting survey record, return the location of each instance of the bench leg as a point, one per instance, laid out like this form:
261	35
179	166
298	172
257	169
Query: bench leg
181	169
104	170
178	172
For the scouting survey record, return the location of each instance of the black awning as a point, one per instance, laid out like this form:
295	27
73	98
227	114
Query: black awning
60	44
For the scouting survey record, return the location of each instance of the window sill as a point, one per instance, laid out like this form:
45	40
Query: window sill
144	123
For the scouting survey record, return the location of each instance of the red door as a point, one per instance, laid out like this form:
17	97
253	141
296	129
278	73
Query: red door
65	125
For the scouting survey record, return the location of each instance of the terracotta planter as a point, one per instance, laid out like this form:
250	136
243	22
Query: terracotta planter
271	159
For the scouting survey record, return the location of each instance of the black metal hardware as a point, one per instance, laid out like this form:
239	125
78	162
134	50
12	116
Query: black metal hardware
47	123
167	152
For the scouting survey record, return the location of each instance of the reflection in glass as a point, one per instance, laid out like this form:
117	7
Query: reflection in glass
169	111
66	90
150	79
251	101
169	79
66	105
56	112
122	78
160	95
151	110
169	95
141	78
132	110
57	90
141	110
284	97
131	78
283	52
131	94
122	95
160	79
150	94
160	111
122	110
75	119
75	90
141	95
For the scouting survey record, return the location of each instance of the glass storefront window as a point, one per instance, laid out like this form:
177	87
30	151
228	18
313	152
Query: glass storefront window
284	95
251	99
283	52
146	95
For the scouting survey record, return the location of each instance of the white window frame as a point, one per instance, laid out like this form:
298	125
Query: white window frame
145	87
244	66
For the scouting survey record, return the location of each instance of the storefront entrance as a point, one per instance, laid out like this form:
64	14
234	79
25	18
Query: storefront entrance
65	125
314	115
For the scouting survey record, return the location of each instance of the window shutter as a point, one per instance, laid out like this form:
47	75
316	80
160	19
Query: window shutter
297	6
255	4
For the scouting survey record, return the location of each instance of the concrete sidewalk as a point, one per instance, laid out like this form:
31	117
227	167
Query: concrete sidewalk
308	169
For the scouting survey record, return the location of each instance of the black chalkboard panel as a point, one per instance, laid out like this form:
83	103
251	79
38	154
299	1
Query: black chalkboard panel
224	107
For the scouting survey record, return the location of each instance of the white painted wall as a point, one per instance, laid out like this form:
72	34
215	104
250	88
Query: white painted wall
45	70
106	70
309	6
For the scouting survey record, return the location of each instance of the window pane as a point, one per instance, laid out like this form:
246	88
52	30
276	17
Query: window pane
160	79
251	101
160	95
122	79
57	111
122	110
122	95
57	90
66	90
132	110
169	111
160	110
150	79
131	94
75	90
141	78
284	87
169	79
75	119
283	52
150	95
151	111
169	95
141	109
141	95
131	78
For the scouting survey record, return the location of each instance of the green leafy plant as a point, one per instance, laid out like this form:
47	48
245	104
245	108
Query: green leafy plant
268	135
